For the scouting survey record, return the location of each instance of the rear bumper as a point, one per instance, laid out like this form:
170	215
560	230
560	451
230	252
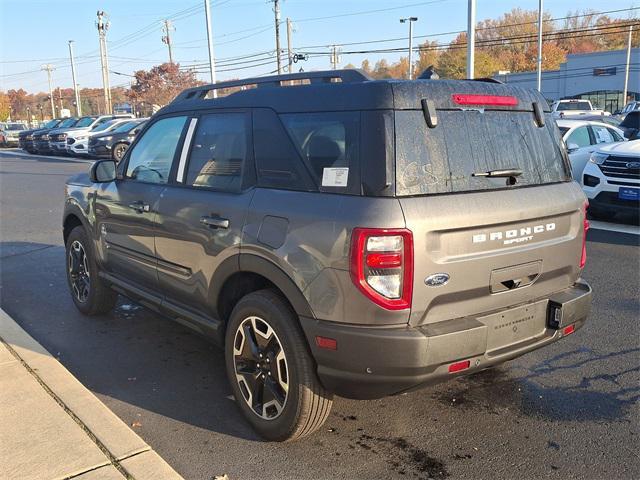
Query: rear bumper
375	362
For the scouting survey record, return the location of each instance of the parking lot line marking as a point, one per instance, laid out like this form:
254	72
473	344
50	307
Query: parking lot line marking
19	153
615	227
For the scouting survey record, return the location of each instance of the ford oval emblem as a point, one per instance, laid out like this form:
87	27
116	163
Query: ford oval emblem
437	279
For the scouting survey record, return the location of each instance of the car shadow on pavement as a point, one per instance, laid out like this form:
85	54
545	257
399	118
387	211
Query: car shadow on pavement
615	238
147	364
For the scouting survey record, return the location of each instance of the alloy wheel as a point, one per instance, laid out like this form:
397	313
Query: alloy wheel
260	367
78	265
119	152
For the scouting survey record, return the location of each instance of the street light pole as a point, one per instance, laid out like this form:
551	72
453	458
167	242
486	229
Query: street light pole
73	77
410	21
540	13
212	63
471	38
626	70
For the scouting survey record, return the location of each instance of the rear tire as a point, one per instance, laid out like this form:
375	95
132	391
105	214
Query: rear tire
89	293
270	369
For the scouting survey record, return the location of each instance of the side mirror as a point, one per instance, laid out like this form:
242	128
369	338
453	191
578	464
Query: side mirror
572	147
103	171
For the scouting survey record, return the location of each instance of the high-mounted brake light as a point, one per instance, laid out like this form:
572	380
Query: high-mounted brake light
585	229
493	100
382	265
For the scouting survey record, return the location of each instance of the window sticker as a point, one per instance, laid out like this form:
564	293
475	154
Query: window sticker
335	177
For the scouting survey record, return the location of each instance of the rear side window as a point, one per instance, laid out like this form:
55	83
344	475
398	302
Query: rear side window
278	163
219	152
444	159
602	134
328	143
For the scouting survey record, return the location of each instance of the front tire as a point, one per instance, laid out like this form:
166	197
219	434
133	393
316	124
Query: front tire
270	369
119	149
89	293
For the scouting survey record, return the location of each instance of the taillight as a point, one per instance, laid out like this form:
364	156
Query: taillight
585	228
495	100
382	265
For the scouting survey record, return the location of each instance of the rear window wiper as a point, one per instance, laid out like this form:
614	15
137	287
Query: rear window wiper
510	172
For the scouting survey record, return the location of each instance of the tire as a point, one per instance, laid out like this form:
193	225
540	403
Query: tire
305	405
119	149
89	293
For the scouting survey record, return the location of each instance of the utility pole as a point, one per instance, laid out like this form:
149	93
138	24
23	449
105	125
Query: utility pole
103	26
167	28
276	11
60	99
471	38
50	68
289	49
73	77
335	56
626	70
212	63
540	13
410	21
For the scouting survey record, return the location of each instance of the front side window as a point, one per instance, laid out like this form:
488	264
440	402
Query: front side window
328	143
84	122
151	158
219	152
579	138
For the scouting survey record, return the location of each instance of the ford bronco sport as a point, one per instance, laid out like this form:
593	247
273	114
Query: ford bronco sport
339	235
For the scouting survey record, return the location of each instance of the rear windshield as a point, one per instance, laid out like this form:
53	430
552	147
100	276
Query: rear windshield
573	106
443	159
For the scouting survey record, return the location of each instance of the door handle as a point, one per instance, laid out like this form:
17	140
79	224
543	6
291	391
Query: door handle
214	222
139	207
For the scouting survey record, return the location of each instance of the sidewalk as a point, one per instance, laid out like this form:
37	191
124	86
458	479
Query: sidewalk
52	427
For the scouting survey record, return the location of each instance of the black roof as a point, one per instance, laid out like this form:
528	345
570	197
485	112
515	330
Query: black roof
342	90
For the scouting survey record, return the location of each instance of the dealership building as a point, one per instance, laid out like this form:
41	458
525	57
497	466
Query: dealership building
598	77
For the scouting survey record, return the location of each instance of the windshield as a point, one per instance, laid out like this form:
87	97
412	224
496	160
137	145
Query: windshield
15	126
105	126
69	122
573	106
125	127
85	122
444	159
51	123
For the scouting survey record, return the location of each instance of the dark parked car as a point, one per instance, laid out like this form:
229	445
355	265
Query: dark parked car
26	140
114	144
630	125
41	137
347	236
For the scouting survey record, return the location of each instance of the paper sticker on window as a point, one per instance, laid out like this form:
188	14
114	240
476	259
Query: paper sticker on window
335	177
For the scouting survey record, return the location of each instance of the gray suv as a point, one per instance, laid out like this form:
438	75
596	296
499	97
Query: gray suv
339	235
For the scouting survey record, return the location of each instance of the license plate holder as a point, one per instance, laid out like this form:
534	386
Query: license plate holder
626	193
515	325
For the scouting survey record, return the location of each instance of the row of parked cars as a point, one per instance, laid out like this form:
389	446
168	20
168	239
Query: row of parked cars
98	136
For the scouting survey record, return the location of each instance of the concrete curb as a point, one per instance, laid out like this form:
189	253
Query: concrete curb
129	456
22	153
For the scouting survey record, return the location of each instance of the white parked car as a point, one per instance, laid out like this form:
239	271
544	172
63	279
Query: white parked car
611	180
78	141
574	108
583	137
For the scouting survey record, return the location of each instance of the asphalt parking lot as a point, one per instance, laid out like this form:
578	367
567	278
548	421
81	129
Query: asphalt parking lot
570	410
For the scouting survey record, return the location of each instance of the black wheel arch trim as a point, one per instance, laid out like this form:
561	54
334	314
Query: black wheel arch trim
246	262
72	209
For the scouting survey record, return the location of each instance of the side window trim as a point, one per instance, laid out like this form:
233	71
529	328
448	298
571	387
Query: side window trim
186	147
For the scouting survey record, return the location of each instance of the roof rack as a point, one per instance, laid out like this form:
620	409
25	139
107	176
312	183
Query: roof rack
328	76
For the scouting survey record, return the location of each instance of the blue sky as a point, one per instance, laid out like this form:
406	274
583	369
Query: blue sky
34	32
